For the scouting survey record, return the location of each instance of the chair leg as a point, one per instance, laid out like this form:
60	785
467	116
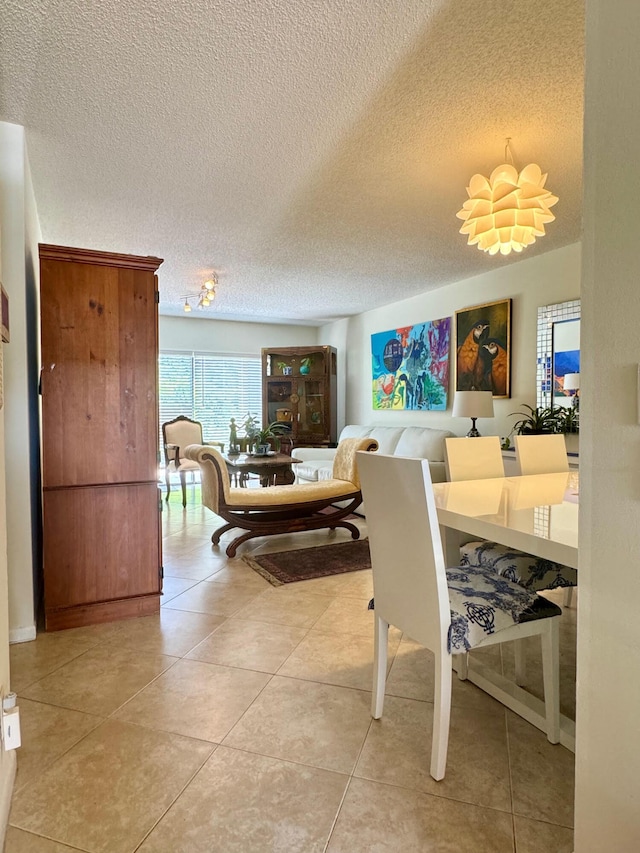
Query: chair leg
520	661
567	596
183	483
441	716
551	677
380	645
462	662
168	482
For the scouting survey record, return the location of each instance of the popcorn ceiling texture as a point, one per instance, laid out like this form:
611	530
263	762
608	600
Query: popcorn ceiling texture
313	152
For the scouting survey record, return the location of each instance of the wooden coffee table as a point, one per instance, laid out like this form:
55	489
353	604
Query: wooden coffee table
274	469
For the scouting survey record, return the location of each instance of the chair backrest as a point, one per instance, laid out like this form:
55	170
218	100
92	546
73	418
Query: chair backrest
409	580
181	431
541	454
345	463
477	458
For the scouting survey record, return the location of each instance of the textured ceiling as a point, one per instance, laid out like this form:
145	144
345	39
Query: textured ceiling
313	152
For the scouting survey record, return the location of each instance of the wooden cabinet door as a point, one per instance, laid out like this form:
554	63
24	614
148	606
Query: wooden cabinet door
99	362
101	521
100	553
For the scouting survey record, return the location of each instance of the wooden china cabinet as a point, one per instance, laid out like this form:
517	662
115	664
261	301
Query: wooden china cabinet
299	390
101	517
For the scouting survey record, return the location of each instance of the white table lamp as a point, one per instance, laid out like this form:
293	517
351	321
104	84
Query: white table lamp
473	404
572	383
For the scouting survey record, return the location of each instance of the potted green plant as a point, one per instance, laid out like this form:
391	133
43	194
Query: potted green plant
259	437
537	421
569	420
305	364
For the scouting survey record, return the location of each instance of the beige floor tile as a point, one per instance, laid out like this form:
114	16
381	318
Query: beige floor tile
237	571
348	616
195	699
284	606
542	774
172	632
174	586
107	792
18	841
47	733
397	751
220	599
377	818
48	652
348	585
187	569
335	658
100	680
251	645
412	674
308	723
533	836
243	803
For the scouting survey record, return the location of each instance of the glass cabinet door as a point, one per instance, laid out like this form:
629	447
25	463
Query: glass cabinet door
311	406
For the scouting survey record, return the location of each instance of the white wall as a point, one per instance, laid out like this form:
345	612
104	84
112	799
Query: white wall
214	335
607	810
20	235
549	278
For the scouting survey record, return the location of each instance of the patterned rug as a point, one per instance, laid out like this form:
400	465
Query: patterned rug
305	563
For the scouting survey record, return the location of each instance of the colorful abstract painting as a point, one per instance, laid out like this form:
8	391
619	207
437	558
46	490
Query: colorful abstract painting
410	366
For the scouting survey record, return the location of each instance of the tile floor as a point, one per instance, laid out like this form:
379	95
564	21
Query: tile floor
238	722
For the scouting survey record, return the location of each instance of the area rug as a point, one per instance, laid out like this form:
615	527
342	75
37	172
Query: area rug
303	564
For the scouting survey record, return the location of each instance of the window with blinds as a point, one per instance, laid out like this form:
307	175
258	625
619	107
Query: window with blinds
209	388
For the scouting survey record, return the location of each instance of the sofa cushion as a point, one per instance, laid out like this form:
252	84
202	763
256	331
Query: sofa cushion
354	431
309	470
422	443
387	438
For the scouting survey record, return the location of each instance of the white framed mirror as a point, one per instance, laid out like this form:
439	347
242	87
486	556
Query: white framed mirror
558	352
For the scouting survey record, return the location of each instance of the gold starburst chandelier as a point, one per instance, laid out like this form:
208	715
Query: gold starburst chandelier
507	211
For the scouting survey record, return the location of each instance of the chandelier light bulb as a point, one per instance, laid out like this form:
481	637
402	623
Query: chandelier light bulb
187	307
507	211
210	284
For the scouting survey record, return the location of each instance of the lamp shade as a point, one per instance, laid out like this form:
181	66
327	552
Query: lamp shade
507	211
473	404
571	381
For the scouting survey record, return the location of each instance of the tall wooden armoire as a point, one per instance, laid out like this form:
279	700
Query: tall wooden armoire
101	517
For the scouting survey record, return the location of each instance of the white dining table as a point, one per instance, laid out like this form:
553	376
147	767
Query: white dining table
536	513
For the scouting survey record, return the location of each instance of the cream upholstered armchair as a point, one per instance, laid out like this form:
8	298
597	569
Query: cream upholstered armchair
176	435
281	509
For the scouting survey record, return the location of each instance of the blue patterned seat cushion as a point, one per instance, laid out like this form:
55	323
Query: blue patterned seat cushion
483	603
533	573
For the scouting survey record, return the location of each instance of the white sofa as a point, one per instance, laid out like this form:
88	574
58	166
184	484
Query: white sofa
420	442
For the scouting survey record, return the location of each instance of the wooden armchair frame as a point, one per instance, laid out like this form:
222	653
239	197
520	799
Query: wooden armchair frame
281	509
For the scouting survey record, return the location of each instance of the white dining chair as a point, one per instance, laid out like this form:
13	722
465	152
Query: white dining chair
448	610
477	458
544	454
541	454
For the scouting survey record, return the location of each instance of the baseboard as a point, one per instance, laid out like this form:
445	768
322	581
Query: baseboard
7	778
22	635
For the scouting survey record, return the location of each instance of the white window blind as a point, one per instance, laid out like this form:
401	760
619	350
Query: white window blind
209	388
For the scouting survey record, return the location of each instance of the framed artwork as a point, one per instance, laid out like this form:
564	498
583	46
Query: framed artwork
483	348
566	358
4	315
410	366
